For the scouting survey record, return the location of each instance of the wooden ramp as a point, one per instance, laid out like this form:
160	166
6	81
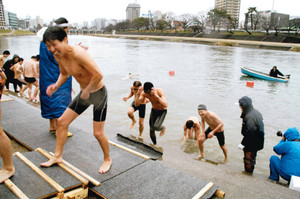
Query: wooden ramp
33	181
132	175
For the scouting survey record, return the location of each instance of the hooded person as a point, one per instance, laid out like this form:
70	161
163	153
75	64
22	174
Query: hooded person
253	132
9	73
289	149
52	107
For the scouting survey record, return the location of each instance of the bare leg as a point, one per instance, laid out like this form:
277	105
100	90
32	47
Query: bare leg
29	91
8	168
36	90
131	116
224	149
61	136
141	127
103	141
201	147
162	131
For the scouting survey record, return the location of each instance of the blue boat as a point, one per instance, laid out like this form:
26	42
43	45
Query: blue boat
261	75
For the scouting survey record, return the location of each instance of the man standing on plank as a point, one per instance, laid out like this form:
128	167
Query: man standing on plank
75	61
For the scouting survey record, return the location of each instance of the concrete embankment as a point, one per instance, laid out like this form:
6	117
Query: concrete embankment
211	41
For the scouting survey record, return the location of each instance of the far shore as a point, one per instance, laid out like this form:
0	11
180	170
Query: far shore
211	41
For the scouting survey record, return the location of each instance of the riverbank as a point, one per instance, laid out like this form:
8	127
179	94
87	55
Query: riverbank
228	177
211	41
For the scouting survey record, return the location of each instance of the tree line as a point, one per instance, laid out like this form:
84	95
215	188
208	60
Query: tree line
214	20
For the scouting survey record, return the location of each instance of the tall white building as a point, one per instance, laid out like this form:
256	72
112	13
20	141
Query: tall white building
231	6
133	11
2	18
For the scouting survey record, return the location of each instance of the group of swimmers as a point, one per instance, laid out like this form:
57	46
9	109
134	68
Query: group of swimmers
20	75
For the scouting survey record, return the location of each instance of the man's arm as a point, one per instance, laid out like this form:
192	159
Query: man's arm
184	134
159	94
129	96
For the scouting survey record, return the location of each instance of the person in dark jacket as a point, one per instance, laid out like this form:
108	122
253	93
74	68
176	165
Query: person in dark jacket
274	72
9	73
253	132
289	149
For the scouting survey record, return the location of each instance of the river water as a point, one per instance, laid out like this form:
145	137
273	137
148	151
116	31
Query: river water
204	74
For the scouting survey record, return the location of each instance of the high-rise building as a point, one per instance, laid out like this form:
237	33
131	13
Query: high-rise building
133	11
2	18
232	7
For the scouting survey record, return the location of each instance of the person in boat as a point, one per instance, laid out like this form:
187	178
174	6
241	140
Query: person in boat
159	109
253	132
215	128
274	72
191	129
289	149
75	61
136	90
8	168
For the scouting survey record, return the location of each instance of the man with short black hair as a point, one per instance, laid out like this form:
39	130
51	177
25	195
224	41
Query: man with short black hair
192	125
135	90
215	128
4	55
159	109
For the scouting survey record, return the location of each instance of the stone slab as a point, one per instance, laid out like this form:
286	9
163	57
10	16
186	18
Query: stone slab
153	180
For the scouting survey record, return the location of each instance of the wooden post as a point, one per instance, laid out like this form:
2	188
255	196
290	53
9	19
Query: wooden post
220	194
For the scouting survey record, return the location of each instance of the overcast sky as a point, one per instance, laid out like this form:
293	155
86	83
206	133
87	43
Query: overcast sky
88	10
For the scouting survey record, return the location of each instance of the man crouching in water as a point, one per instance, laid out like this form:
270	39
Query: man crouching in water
75	61
159	109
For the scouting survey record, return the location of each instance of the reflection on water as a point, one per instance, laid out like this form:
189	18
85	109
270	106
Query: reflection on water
203	74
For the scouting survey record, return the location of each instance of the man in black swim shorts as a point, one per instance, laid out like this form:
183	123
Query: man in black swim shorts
215	128
75	61
136	90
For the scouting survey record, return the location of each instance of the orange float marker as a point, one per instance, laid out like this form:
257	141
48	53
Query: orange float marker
250	84
171	73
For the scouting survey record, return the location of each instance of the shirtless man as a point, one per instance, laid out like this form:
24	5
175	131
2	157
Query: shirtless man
159	109
215	127
5	54
75	61
192	125
30	75
17	68
136	90
8	168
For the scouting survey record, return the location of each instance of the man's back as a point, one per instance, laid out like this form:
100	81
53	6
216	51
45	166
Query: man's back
30	68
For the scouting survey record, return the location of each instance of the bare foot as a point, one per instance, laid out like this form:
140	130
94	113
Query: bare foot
224	161
52	161
132	124
5	174
162	131
105	166
200	157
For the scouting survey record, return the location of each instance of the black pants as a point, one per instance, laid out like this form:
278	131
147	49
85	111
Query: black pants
13	82
157	117
249	160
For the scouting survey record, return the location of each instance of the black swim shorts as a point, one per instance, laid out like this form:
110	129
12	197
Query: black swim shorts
29	79
98	99
220	136
141	108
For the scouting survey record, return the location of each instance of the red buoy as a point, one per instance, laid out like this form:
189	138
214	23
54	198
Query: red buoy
171	73
250	84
